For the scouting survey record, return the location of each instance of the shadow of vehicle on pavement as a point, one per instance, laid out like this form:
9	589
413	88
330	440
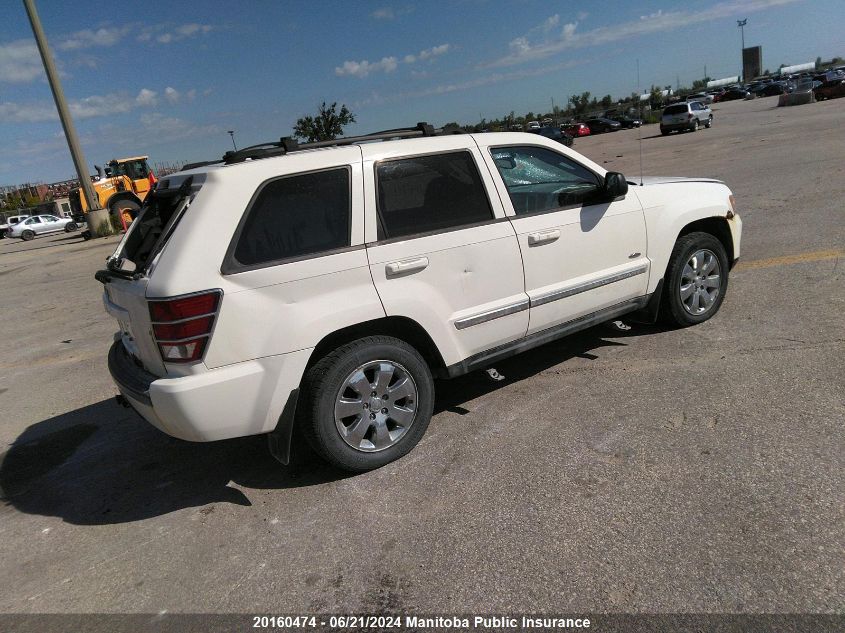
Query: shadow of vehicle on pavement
102	464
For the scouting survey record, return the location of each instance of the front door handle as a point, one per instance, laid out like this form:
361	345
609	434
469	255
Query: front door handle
406	266
542	237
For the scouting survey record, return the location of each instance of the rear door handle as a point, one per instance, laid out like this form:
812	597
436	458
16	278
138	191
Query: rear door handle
543	237
406	266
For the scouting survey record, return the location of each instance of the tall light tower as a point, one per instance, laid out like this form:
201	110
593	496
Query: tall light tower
741	24
232	134
96	215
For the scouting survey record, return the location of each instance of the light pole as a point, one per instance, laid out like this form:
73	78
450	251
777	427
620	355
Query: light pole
741	24
232	134
95	215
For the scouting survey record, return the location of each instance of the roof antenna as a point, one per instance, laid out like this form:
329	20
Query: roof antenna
640	117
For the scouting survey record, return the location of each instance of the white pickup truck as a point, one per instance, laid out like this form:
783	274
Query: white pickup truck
325	285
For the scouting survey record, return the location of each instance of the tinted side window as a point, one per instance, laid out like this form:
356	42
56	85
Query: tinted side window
296	216
430	193
539	179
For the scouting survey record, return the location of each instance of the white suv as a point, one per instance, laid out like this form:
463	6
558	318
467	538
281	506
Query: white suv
687	116
324	286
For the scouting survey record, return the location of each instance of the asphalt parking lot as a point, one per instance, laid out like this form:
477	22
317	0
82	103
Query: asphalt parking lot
696	470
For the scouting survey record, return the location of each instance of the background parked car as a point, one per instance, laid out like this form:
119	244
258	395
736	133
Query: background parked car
830	89
703	97
769	90
687	116
733	94
600	124
39	225
626	121
576	129
556	134
6	223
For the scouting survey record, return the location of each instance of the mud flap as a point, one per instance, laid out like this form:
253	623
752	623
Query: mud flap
279	439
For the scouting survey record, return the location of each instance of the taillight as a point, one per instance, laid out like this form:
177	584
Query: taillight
689	116
182	325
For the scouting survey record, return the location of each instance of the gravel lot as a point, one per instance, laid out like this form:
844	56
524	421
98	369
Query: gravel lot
695	470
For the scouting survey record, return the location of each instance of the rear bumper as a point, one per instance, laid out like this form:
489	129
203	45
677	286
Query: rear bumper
671	127
232	401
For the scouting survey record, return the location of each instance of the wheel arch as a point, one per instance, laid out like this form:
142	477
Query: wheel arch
403	328
122	195
718	227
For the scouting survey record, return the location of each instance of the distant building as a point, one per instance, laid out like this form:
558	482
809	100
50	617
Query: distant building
752	62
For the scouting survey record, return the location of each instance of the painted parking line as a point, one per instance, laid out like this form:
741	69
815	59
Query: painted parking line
784	260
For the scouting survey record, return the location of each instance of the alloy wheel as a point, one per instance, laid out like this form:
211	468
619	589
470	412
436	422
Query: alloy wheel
376	405
701	282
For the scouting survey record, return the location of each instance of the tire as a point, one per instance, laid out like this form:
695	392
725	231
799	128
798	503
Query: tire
664	132
709	123
124	205
684	263
329	392
694	125
70	227
27	235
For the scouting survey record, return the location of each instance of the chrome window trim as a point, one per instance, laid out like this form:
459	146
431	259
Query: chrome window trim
489	315
562	293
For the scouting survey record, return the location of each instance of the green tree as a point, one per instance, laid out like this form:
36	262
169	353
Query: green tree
656	97
818	62
580	103
606	101
326	126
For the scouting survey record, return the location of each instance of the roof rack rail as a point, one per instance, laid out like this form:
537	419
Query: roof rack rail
288	144
203	163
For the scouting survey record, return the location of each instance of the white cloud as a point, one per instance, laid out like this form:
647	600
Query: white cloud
389	64
85	108
20	62
167	33
524	49
389	13
550	23
363	68
385	13
171	94
87	38
96	105
187	30
173	128
146	97
11	112
435	51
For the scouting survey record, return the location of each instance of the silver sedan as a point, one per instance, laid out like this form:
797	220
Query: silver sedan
39	225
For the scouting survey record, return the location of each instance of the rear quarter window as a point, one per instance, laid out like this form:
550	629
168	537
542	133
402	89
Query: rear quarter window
293	217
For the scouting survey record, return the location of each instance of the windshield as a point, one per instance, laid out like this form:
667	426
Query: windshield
676	109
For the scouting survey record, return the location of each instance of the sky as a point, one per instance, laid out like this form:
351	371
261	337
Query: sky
171	78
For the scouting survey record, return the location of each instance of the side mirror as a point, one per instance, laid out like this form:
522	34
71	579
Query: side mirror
615	185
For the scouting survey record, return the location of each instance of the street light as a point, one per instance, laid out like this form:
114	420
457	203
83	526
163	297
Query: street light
741	24
232	134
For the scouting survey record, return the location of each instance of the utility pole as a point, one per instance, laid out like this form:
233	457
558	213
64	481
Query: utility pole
554	114
96	214
741	24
